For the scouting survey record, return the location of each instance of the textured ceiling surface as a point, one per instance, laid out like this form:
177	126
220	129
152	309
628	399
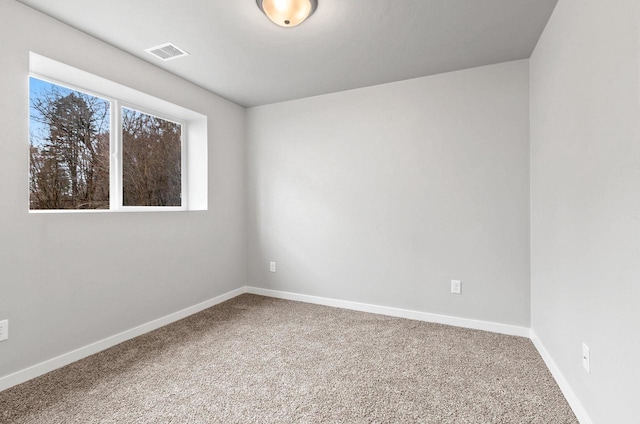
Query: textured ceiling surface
236	52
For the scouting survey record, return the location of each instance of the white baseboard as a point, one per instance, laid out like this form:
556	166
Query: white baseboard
566	389
511	330
80	353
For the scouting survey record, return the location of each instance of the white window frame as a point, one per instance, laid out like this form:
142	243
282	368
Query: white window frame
193	167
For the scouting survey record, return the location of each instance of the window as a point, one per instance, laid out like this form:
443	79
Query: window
108	147
69	148
151	160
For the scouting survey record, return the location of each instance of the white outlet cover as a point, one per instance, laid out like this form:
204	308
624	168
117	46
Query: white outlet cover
4	330
586	358
272	266
456	286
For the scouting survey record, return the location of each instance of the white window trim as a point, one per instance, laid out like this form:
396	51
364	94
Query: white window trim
193	144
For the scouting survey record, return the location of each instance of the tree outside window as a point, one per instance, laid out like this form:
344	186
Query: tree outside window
70	153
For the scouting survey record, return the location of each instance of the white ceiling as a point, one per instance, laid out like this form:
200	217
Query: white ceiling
239	54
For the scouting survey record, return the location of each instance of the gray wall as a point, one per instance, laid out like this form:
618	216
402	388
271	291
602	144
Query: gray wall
378	195
585	197
384	194
67	280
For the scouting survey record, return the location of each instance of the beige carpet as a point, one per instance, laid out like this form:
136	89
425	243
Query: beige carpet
260	360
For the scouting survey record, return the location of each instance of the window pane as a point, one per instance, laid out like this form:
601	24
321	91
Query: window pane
69	148
151	160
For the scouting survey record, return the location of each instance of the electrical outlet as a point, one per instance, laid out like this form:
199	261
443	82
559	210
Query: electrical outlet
272	266
4	330
456	286
586	358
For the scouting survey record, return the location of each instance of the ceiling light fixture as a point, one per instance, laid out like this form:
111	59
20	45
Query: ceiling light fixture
287	13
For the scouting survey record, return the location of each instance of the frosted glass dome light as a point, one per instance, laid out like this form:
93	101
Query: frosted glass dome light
287	13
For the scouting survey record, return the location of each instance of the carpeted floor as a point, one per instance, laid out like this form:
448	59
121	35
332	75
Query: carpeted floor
260	360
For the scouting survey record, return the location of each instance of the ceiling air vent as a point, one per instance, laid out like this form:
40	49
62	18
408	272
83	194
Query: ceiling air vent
167	51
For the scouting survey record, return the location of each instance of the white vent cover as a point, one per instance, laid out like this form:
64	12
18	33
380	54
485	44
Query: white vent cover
167	51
